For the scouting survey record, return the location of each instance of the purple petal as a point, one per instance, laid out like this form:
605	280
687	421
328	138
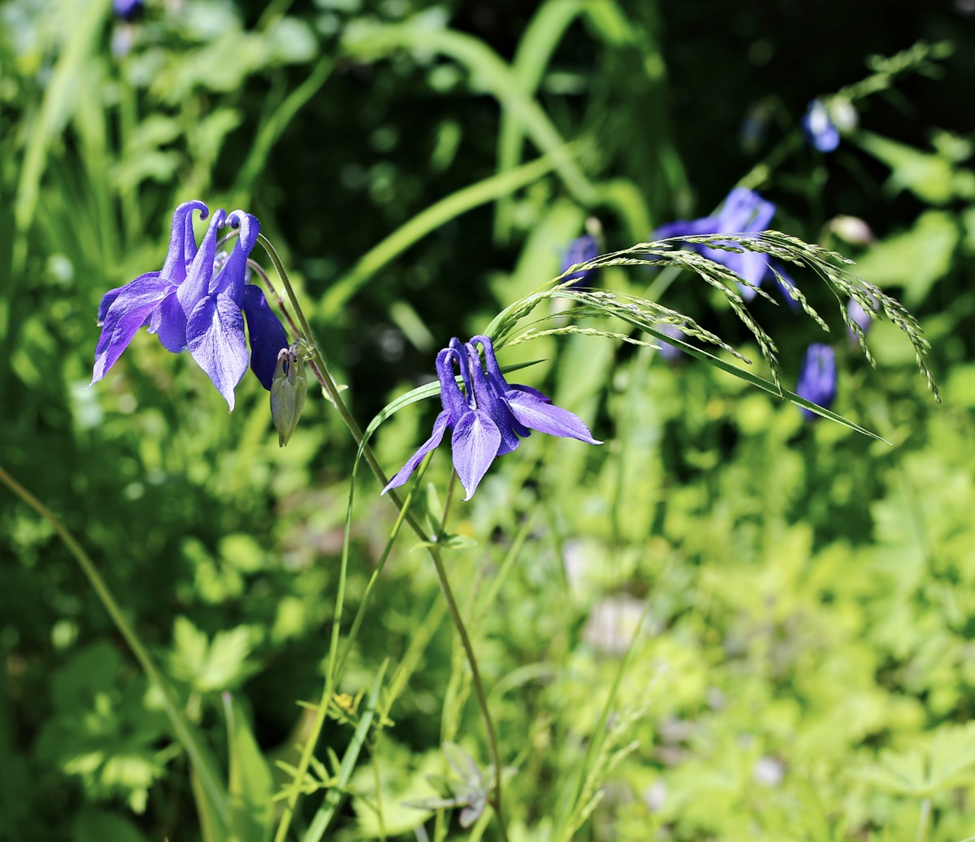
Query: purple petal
108	299
230	278
180	237
215	336
817	378
689	228
744	212
130	309
474	444
168	322
197	284
491	402
439	427
536	411
500	385
580	250
453	400
266	334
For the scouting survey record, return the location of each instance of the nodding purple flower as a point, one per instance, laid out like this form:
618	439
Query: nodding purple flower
486	417
743	212
580	250
818	128
817	379
197	303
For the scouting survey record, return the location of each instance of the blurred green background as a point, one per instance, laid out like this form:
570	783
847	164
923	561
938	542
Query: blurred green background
807	667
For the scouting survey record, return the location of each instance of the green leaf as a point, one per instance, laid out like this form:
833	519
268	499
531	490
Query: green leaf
914	259
250	785
100	826
928	176
212	666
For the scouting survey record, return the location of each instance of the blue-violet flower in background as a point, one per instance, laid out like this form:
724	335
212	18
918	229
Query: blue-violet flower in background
191	305
818	128
671	353
743	212
127	9
488	416
817	379
863	318
580	250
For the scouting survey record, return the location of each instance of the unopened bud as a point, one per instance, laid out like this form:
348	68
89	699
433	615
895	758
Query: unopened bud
852	229
288	388
843	114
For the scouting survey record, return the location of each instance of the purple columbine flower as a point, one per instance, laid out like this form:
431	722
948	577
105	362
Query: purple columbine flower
191	305
818	128
580	250
817	379
487	416
743	212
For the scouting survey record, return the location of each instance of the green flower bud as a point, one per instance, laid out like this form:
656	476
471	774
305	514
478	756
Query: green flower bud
288	388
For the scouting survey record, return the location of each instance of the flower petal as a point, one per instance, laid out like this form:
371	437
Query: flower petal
182	241
688	228
439	427
474	445
215	336
817	378
744	211
580	250
500	386
108	299
453	400
197	284
168	322
130	309
230	278
490	400
266	334
536	411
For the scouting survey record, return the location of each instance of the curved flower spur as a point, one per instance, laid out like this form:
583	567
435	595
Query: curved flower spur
488	416
198	303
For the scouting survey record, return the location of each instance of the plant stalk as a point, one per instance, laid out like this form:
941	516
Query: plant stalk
324	377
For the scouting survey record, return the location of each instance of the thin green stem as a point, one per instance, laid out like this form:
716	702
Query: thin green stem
332	392
478	686
203	765
446	507
923	821
469	650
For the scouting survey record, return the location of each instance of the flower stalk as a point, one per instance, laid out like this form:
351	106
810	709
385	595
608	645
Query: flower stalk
333	393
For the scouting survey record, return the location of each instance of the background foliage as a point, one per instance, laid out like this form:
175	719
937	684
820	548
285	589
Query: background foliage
805	669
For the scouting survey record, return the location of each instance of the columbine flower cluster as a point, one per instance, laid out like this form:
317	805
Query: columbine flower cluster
488	416
199	304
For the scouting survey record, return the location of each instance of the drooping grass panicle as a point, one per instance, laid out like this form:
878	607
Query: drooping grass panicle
648	316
